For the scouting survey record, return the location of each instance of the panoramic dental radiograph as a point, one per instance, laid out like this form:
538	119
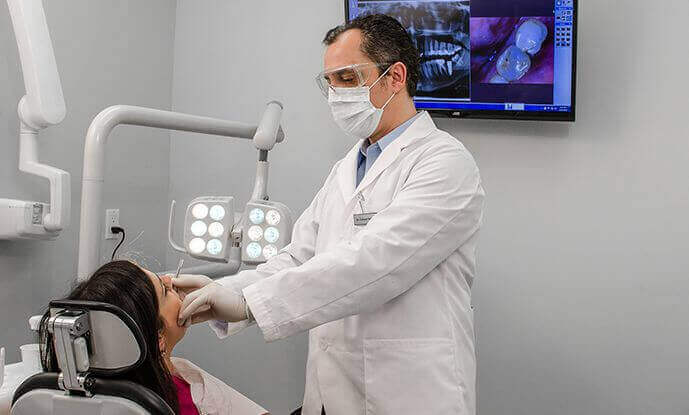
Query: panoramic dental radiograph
512	50
440	31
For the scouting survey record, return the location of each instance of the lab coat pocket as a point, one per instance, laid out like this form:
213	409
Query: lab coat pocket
411	376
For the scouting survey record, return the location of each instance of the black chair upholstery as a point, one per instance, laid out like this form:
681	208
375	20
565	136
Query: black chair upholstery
134	392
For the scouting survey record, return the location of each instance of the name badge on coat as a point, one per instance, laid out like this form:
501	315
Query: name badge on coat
361	219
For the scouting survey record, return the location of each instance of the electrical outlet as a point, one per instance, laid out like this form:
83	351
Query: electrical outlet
112	218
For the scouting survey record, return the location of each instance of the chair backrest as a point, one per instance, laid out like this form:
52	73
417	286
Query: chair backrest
40	395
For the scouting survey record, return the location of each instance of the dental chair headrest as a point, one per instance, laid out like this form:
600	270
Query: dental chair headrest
93	342
116	343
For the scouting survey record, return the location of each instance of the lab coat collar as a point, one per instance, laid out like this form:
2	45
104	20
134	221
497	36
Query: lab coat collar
346	175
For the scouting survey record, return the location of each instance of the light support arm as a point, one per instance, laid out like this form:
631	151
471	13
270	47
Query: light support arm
268	133
94	162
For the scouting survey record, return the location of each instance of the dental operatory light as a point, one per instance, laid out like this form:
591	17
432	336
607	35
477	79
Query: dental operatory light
273	217
214	247
217	212
198	228
269	234
216	229
256	216
213	235
197	246
200	211
255	233
253	250
206	230
269	251
214	232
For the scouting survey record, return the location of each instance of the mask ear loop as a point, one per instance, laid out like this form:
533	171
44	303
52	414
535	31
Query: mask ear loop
388	101
380	77
376	81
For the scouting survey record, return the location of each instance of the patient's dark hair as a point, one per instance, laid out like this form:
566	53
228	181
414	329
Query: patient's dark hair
125	285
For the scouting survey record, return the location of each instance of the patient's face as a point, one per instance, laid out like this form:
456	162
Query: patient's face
170	303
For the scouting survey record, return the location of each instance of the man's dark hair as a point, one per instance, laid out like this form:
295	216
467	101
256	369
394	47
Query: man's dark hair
385	41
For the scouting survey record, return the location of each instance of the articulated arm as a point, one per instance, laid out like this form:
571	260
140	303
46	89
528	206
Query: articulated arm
42	106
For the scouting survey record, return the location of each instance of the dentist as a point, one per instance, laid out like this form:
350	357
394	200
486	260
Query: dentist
381	263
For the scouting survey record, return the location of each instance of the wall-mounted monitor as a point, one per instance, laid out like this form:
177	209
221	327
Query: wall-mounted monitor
504	59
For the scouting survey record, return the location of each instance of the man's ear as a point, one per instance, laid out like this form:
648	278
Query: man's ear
398	76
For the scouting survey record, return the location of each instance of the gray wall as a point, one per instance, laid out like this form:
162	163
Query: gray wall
582	285
581	262
107	53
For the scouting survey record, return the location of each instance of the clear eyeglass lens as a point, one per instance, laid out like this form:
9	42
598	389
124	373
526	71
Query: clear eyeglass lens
352	76
345	78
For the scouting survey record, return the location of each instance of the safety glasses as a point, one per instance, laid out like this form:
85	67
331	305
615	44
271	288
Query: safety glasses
350	76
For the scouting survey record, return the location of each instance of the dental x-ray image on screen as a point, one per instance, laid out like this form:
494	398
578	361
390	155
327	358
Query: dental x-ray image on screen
440	31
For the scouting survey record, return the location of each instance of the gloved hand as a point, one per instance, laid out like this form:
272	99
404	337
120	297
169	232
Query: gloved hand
212	302
187	283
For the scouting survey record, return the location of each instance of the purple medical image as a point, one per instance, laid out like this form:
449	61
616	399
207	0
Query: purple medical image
512	50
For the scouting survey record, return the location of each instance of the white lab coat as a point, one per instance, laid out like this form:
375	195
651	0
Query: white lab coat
387	304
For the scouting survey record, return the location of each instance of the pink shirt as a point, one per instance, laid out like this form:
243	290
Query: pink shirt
186	404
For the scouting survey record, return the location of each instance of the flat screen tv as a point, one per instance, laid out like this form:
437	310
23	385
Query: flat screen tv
502	59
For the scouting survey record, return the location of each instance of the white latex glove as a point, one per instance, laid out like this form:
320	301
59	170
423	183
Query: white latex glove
187	283
212	302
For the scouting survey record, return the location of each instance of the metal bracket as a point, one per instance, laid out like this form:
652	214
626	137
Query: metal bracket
67	327
236	236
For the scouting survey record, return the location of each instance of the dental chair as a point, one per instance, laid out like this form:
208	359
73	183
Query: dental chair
93	342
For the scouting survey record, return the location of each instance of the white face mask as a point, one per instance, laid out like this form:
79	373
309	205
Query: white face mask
353	111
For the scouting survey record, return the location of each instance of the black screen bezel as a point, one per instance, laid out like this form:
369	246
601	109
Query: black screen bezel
517	115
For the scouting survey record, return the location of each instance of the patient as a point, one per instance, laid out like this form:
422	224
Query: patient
153	305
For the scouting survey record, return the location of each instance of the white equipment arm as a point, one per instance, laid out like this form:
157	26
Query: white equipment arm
42	106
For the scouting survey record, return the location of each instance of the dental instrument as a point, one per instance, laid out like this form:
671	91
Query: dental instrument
179	267
41	107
